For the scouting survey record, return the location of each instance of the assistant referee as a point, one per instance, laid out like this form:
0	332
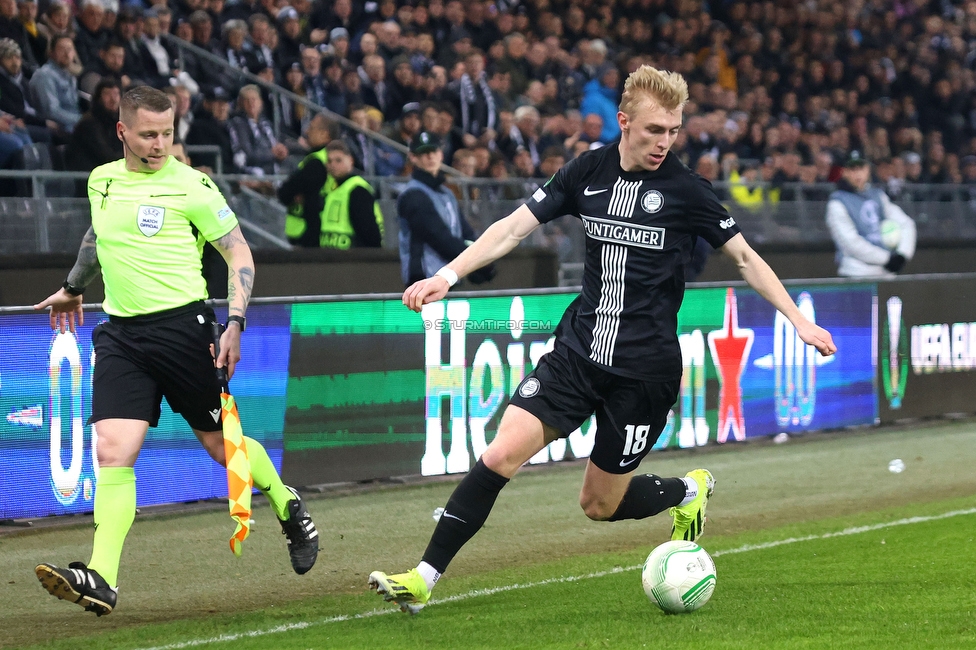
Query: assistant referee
151	216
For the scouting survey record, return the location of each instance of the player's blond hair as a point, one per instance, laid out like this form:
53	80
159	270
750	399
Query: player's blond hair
667	89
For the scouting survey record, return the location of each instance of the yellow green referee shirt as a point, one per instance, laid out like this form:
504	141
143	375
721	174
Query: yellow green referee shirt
150	229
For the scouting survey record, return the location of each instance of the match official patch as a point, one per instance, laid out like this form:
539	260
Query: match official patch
224	212
149	218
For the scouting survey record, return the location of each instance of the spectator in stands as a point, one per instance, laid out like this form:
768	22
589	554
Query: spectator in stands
408	126
233	34
127	33
335	94
210	127
36	37
95	140
256	148
205	74
293	113
401	88
12	28
388	161
160	58
258	55
432	229
54	89
91	36
289	38
474	102
339	40
56	21
110	63
313	82
600	96
15	93
183	118
351	217
523	134
303	192
859	218
373	84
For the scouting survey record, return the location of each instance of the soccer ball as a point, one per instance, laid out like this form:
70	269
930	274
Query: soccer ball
678	577
890	234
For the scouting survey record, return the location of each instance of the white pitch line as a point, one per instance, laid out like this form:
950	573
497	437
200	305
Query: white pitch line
854	530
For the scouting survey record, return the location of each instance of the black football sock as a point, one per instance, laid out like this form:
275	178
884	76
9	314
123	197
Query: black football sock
465	514
648	495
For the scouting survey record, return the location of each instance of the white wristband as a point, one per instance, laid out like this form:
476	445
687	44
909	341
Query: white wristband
449	275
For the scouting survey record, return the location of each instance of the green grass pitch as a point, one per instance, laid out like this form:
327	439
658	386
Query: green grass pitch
816	544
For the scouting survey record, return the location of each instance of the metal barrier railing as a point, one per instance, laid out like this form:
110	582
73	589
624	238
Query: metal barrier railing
56	215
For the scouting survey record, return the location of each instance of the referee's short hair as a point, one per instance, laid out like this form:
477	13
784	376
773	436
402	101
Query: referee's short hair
154	101
668	89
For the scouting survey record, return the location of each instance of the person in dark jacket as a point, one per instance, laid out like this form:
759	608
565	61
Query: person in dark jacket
95	140
15	93
432	229
11	27
210	127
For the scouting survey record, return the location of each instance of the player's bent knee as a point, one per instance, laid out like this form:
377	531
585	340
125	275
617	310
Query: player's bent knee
597	508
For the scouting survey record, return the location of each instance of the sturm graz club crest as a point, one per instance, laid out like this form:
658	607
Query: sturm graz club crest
529	388
652	201
894	354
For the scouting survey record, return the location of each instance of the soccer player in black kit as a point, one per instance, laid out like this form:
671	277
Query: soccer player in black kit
616	351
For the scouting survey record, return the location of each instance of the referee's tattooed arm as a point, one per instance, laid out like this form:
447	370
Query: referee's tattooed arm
240	270
86	266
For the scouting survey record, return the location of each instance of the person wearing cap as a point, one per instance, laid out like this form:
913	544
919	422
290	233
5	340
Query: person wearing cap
864	222
407	126
432	229
289	37
15	97
210	126
304	191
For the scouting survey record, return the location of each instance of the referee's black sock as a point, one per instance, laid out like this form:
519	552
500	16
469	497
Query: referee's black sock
464	515
648	495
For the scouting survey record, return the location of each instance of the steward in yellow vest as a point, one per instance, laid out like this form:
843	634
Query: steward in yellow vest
350	217
304	191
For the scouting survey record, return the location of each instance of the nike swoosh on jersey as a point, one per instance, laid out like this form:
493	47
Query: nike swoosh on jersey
587	191
625	463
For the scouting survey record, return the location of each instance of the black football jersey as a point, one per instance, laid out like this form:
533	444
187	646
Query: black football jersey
641	228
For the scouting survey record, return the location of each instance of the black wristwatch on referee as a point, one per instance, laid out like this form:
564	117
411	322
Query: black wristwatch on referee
240	320
72	290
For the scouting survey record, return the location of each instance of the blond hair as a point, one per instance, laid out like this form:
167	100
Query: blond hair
668	89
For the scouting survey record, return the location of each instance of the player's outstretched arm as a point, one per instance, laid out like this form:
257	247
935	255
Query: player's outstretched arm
760	277
500	238
66	308
240	281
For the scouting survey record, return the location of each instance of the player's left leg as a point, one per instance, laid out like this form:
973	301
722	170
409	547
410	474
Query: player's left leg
629	420
289	507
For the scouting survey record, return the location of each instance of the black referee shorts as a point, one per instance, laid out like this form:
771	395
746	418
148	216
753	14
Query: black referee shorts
565	389
140	360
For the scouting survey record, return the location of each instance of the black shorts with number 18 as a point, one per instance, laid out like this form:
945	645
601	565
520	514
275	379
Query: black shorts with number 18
565	389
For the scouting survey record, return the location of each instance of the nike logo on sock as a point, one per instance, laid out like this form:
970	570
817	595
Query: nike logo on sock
588	192
447	514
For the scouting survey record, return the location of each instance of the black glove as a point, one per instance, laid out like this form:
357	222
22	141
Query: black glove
895	263
482	275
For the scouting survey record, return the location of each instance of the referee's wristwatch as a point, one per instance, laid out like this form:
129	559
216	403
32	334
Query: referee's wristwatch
240	320
72	290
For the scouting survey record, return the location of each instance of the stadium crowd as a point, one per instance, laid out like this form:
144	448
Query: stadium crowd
781	91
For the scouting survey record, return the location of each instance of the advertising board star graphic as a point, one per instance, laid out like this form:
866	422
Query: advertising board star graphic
730	348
